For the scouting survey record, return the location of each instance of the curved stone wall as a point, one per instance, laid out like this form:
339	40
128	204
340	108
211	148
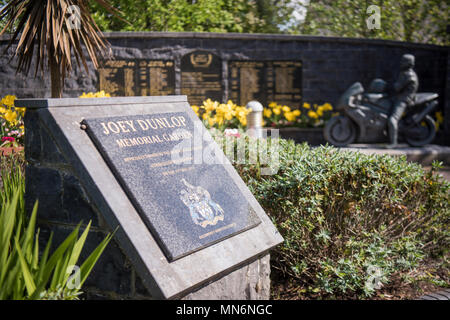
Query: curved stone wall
283	68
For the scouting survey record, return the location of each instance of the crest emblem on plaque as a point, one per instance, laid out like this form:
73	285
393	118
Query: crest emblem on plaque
203	210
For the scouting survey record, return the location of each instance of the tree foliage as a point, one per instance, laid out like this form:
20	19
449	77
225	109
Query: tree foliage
44	31
261	16
404	20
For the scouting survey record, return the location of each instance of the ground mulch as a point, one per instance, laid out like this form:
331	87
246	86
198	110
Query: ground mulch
432	276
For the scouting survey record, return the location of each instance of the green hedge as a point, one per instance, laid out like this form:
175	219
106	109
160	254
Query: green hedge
349	220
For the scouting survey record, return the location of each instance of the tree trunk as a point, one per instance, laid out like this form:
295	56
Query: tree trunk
55	78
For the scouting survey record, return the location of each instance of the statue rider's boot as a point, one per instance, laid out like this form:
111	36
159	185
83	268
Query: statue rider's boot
393	135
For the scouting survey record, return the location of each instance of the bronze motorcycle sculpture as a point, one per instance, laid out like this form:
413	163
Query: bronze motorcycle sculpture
363	117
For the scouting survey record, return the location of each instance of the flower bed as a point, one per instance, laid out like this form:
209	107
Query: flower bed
306	116
11	118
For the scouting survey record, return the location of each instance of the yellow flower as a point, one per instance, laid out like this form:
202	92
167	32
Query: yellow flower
297	113
99	94
8	100
289	116
103	94
2	109
312	114
306	105
241	113
277	110
211	121
210	105
327	107
273	105
21	111
267	112
219	120
286	109
11	116
195	108
320	111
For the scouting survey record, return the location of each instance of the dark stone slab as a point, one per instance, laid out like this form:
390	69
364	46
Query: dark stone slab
137	266
137	77
266	81
201	77
44	185
32	136
435	296
76	203
186	205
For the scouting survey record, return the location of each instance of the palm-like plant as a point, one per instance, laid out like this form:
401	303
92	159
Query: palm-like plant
53	30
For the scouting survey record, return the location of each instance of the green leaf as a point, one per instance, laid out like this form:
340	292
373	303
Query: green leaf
76	252
89	263
28	278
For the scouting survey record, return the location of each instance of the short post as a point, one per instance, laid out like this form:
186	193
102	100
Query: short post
254	119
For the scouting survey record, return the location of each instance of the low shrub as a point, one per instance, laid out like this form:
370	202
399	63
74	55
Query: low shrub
349	220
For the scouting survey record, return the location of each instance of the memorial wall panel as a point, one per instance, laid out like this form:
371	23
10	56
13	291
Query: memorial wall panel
137	77
201	77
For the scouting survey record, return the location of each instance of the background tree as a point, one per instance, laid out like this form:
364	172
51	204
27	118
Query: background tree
404	20
263	16
51	30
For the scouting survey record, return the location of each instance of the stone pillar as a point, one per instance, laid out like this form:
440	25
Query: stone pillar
446	108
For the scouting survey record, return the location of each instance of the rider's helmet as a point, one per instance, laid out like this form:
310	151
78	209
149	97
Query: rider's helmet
407	61
377	86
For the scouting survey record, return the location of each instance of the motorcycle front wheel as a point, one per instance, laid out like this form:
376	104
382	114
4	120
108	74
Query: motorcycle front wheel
421	133
340	131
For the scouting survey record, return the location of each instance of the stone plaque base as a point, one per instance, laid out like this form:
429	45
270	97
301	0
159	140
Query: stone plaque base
72	182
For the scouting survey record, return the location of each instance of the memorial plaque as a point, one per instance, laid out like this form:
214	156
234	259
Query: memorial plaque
266	81
182	224
187	205
247	82
137	77
284	82
201	77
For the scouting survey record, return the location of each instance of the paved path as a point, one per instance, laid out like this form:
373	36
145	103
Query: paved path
445	172
440	295
423	155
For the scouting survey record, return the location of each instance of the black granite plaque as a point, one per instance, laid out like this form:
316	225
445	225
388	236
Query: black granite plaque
137	77
201	77
284	82
246	81
186	203
265	81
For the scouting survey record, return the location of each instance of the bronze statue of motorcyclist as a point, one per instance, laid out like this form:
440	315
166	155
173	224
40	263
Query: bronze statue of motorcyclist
364	115
404	89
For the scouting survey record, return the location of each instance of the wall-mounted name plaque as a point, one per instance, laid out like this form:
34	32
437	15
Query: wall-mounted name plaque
186	204
266	81
137	77
201	77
